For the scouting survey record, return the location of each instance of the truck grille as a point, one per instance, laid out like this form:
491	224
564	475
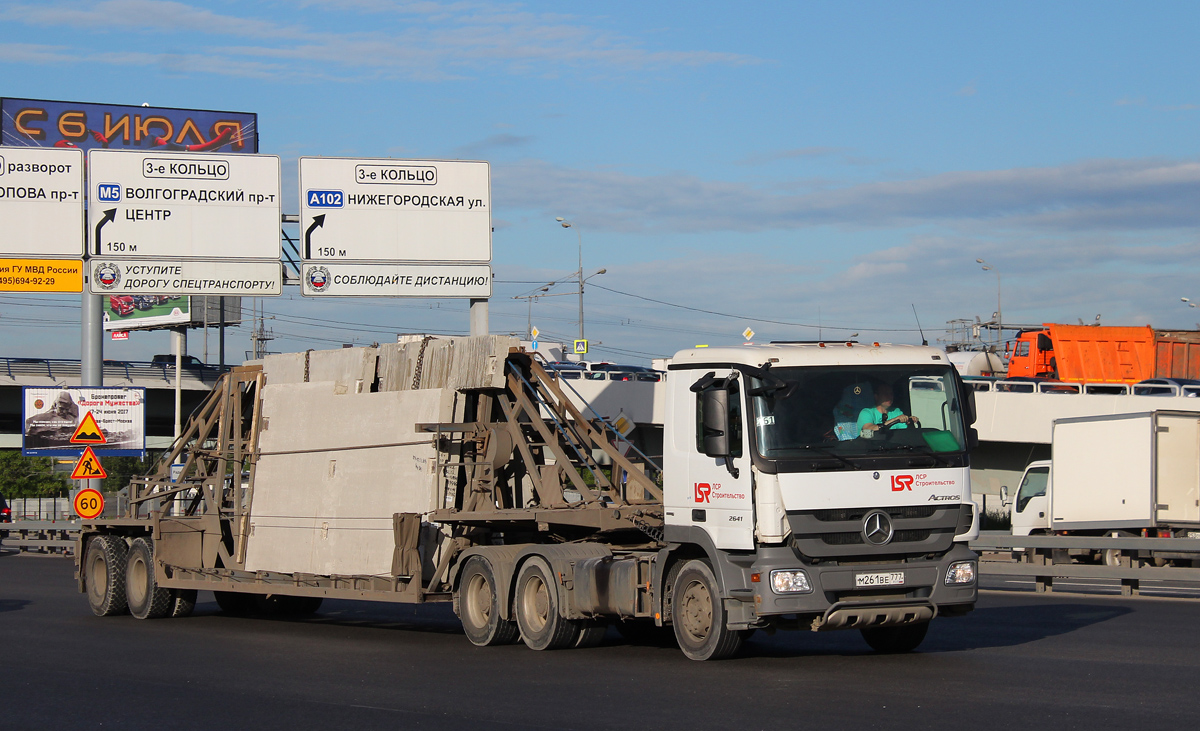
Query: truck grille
843	514
917	529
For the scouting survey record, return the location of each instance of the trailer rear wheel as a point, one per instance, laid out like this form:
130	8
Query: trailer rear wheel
479	607
698	615
898	639
542	626
104	575
147	600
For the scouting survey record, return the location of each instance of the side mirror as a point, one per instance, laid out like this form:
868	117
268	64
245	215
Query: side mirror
715	422
972	438
1045	344
971	412
1005	498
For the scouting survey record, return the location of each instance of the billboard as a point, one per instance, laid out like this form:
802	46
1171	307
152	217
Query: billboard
59	422
145	312
154	312
26	122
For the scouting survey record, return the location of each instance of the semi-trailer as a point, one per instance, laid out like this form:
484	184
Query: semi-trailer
456	470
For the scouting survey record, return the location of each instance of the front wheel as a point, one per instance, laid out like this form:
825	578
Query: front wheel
894	640
698	615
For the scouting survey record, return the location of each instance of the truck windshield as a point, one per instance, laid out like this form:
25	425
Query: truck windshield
843	411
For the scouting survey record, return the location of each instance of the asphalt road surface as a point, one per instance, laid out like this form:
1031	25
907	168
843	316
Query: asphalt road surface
1019	661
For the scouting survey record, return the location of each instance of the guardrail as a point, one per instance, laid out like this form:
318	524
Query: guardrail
1130	560
40	536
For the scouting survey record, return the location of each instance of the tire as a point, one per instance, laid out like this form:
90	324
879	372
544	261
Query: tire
104	575
283	605
235	602
536	605
698	615
304	606
591	633
147	600
895	640
479	606
183	602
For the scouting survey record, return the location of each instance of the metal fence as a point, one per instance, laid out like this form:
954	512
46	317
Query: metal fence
40	536
1129	560
41	508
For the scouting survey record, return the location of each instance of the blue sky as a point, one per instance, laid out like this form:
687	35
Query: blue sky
801	164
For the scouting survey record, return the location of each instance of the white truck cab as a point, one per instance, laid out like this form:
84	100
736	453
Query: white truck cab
776	462
1031	508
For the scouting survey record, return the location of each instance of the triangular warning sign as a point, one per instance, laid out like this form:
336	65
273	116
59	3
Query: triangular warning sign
88	432
88	467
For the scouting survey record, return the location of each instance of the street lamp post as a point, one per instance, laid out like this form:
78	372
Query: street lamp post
578	272
999	311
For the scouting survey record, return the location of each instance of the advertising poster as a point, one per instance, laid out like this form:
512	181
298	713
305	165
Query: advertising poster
145	311
61	422
26	122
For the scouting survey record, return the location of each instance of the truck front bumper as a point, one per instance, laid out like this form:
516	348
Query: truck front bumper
850	596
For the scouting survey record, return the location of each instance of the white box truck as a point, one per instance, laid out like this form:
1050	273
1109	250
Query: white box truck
1124	474
457	470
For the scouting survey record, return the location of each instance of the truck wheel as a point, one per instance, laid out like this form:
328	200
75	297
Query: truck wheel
698	615
183	601
542	627
902	638
146	599
479	606
104	575
235	602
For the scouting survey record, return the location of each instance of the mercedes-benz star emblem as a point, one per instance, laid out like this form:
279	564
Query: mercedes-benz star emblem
877	528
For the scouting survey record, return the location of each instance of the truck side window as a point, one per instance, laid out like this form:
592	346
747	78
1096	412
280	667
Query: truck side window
735	421
1034	485
1022	350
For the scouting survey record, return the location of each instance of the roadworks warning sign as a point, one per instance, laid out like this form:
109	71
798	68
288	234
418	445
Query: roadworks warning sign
88	467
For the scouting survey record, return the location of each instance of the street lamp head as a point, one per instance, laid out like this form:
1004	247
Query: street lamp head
559	219
980	261
1184	299
566	224
602	271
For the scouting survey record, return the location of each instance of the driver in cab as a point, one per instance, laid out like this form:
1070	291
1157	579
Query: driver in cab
883	416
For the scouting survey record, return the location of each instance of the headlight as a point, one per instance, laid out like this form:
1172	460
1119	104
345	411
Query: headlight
962	572
785	581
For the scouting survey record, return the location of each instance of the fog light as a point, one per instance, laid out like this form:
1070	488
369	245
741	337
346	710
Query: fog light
785	581
962	572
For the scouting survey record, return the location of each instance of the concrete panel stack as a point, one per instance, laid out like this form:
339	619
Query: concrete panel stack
339	455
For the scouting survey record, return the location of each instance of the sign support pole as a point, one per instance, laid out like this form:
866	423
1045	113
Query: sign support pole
479	317
179	338
91	351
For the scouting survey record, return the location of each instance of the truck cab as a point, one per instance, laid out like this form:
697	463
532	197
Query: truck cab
1031	506
806	512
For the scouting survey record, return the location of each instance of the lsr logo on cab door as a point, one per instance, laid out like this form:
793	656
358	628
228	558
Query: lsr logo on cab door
707	492
901	483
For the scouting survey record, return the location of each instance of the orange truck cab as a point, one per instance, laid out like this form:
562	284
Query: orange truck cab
1082	353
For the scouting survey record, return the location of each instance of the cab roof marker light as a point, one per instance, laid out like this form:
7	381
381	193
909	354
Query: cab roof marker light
849	344
876	344
820	345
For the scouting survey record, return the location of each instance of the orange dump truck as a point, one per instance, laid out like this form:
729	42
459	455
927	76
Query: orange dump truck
1102	354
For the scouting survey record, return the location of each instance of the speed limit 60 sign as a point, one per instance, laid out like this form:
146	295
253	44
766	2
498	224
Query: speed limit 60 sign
88	504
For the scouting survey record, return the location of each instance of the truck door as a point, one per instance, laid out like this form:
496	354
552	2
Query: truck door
1177	488
1032	505
712	498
